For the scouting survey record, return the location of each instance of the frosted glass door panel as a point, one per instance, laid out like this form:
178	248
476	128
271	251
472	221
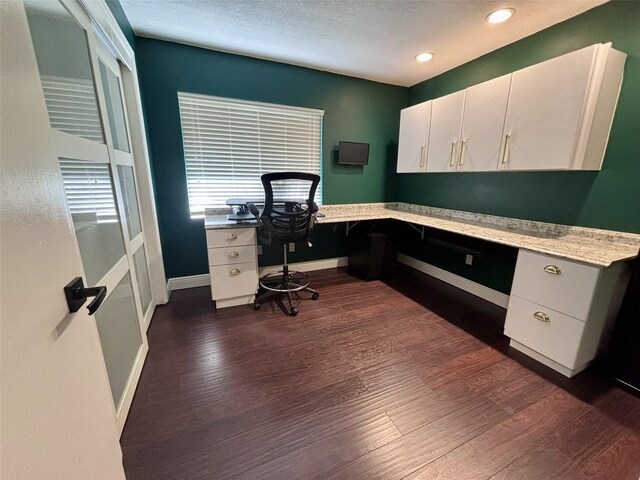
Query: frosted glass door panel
142	274
119	335
115	110
62	54
89	193
130	200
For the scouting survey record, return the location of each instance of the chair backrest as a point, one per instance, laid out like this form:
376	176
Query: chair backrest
287	220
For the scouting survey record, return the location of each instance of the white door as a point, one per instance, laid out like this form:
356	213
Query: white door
485	107
544	115
90	140
444	136
414	133
57	416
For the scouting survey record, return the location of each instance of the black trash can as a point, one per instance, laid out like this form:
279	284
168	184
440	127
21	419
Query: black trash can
372	256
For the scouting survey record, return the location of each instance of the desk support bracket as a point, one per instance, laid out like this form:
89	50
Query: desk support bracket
349	227
419	229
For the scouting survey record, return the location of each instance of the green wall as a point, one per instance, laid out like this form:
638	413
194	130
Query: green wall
607	199
355	109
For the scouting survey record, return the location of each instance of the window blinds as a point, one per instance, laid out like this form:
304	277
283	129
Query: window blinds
229	144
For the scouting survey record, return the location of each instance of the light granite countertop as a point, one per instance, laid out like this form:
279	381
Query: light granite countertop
592	246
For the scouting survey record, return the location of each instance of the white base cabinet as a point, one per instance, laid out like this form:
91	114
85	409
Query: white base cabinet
560	312
233	265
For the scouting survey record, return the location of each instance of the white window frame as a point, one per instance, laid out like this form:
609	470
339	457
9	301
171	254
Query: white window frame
206	129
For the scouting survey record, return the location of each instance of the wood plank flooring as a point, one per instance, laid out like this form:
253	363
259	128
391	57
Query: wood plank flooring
404	379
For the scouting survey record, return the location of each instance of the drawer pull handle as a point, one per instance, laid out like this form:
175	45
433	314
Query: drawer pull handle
234	254
543	317
235	271
554	270
232	236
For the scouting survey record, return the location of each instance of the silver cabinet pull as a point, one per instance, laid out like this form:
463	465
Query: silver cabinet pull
235	271
234	254
507	138
553	269
422	156
451	154
232	236
461	157
543	317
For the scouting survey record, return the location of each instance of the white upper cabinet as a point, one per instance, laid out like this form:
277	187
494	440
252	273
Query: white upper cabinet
444	136
555	115
485	107
554	107
414	135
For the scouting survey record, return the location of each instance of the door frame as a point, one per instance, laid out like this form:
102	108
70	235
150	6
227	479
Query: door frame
107	28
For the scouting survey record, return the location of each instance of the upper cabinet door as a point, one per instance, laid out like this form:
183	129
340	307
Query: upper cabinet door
414	133
485	107
545	111
444	137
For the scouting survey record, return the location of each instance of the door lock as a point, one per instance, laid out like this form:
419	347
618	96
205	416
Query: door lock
76	295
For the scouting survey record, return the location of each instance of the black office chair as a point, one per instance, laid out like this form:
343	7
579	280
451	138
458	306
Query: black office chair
284	222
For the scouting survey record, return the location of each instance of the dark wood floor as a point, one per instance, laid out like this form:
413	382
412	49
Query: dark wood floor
405	379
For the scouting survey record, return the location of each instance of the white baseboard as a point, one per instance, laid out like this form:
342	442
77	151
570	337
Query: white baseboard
465	284
191	281
309	266
203	280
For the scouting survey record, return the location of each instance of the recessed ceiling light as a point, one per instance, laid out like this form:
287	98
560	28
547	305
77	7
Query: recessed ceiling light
424	57
501	15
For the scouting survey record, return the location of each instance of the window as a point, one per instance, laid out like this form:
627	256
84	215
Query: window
229	144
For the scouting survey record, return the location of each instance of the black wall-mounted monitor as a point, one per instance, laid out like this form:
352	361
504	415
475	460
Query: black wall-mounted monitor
353	153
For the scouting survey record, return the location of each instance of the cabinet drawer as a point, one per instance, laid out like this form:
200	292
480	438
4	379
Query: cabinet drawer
231	255
228	281
558	338
231	236
569	290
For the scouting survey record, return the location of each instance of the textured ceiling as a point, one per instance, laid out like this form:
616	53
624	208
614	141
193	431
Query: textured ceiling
374	39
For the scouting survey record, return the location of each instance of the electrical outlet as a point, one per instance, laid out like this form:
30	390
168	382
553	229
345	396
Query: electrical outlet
469	260
292	247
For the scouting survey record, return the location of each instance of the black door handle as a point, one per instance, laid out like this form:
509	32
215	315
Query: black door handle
76	295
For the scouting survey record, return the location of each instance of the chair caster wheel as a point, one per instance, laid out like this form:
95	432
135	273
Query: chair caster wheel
256	306
294	312
315	296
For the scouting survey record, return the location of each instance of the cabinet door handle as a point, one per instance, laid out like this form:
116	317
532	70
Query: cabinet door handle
543	317
451	154
507	138
235	271
461	157
553	269
234	254
422	156
232	236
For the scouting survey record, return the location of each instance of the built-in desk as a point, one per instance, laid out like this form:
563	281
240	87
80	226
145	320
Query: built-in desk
567	288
